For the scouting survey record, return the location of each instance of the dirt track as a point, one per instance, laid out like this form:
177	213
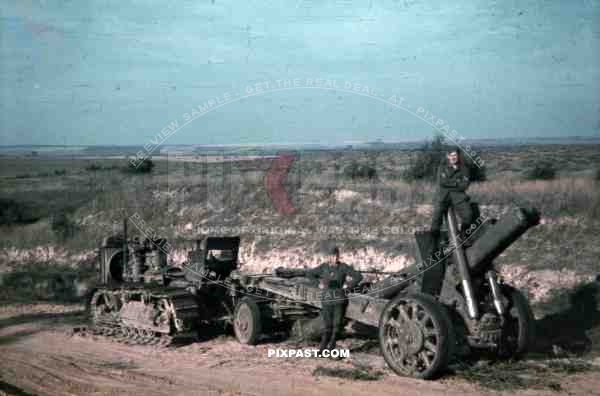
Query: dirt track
40	356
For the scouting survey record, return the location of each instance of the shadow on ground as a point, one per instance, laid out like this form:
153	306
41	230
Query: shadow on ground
8	389
574	331
30	324
565	343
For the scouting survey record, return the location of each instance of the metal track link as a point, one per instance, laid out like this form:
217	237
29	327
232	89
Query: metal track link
126	335
106	308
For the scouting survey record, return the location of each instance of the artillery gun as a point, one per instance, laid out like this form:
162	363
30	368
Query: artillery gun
140	299
448	304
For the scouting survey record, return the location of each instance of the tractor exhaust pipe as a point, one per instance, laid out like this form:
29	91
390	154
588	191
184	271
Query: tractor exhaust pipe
125	248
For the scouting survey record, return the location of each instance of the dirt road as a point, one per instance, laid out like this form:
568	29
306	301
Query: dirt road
40	356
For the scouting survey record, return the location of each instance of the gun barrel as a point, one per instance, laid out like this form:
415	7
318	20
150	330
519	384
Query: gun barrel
497	238
494	240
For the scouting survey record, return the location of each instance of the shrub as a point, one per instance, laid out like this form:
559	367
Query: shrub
428	158
17	212
47	281
477	173
93	167
356	171
63	226
60	172
541	171
145	166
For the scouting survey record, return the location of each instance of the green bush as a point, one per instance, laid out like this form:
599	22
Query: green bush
428	158
47	281
145	166
63	226
93	167
541	171
477	173
17	212
356	171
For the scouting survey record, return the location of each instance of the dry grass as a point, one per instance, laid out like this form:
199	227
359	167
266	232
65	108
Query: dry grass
511	376
182	201
356	374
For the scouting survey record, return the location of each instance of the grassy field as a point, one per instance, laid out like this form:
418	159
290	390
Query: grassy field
58	210
55	211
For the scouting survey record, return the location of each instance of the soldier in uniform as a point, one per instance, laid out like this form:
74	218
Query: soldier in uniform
452	182
335	280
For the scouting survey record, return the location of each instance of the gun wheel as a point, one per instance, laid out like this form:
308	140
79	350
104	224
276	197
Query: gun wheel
414	336
518	331
247	322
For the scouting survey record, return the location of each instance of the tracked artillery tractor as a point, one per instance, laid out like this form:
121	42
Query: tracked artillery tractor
140	299
449	304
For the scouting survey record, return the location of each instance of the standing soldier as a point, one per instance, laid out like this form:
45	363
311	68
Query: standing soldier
335	279
452	182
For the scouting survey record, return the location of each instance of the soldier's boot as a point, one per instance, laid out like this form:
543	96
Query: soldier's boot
465	212
331	346
324	341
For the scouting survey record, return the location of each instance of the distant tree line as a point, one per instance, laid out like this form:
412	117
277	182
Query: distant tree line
422	166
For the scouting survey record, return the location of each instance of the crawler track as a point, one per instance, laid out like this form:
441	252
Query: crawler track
140	316
126	335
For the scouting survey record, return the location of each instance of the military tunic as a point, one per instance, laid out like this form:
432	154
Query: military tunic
452	184
334	301
334	278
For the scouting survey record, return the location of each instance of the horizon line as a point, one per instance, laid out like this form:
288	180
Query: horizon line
345	143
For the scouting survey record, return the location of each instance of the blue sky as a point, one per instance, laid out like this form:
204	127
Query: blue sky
118	72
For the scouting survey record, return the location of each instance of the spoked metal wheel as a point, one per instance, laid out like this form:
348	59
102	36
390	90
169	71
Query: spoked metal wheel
518	331
247	322
414	336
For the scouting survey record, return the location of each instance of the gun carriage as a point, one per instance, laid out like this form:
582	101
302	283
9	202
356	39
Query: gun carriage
448	304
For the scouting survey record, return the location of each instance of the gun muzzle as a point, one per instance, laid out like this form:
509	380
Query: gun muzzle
498	237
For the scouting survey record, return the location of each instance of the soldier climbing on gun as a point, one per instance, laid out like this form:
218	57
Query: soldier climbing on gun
453	180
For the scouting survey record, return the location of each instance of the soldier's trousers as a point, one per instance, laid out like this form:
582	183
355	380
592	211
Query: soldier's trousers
463	210
333	318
